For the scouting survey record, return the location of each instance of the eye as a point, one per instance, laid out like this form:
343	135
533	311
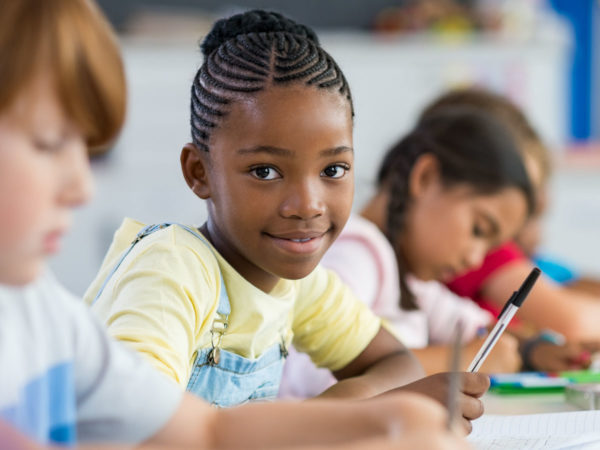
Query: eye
265	173
481	231
49	145
335	171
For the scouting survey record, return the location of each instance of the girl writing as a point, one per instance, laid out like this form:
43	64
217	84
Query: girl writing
563	308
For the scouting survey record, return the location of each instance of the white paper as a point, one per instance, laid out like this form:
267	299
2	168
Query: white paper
565	430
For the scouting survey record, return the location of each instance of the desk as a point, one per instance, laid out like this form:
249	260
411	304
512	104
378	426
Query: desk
526	403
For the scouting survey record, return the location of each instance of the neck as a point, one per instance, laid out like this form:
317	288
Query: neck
263	280
376	210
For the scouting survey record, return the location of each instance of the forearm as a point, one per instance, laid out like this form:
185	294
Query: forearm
588	285
388	373
277	425
434	358
574	316
571	313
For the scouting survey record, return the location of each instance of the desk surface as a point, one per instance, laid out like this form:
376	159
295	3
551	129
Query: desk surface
526	403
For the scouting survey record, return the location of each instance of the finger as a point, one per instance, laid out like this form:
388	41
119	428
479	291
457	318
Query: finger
475	384
466	425
471	407
591	346
582	358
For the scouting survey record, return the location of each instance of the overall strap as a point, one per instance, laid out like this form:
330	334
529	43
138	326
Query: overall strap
224	308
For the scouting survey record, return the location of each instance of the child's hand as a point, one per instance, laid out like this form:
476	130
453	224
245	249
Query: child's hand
474	385
503	358
549	357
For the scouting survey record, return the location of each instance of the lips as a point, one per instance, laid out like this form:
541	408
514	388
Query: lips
447	274
51	242
299	242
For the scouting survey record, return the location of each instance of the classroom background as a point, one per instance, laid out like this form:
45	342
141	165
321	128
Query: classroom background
397	55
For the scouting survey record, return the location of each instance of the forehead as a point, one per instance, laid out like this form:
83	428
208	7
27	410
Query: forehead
282	116
36	105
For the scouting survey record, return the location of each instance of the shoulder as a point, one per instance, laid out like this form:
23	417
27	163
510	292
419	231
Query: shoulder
169	253
361	240
365	260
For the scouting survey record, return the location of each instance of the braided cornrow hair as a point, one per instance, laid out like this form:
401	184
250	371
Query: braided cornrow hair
248	52
472	148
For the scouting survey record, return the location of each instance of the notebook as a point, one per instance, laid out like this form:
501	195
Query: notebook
564	430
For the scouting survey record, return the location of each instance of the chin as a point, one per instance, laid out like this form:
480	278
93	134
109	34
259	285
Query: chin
296	272
21	275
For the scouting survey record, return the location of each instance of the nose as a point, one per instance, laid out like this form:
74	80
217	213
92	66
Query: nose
475	255
303	201
77	184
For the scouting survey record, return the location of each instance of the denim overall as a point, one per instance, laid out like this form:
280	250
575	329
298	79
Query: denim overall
221	377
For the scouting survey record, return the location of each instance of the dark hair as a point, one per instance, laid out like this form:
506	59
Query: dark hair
504	110
471	147
248	52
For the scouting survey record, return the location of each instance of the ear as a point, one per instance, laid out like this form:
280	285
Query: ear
424	175
194	165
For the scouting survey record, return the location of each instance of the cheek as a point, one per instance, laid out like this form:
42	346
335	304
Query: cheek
442	235
340	202
23	205
22	215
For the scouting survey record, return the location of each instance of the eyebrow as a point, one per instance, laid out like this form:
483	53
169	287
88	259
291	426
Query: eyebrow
289	153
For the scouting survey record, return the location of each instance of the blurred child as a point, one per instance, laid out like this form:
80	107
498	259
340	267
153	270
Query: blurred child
550	305
215	308
62	92
450	190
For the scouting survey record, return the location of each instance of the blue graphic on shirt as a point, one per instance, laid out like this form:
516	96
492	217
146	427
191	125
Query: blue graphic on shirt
46	408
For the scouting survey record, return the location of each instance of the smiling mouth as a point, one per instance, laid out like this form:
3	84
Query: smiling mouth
299	244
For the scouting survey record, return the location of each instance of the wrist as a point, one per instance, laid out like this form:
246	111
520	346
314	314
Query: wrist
528	346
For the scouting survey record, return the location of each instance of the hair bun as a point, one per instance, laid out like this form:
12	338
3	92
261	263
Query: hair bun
255	21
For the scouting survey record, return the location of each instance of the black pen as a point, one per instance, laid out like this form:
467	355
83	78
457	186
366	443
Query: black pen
510	309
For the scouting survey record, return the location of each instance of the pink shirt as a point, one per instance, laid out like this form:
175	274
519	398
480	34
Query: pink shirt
364	259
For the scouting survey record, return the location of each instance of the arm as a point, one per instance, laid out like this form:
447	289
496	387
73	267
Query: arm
158	304
504	358
279	425
383	365
573	314
586	285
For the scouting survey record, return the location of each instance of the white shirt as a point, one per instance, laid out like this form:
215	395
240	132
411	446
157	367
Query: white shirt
62	380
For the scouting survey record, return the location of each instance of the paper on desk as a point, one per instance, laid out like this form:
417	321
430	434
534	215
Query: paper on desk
565	430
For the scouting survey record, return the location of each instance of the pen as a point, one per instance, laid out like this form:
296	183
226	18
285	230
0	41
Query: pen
510	308
454	383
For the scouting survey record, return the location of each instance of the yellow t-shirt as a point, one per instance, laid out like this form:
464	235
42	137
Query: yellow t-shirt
163	298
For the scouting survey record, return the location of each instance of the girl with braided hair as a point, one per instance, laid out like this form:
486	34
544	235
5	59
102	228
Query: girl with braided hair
215	308
63	380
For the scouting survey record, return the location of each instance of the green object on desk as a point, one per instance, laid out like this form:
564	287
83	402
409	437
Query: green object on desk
540	382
